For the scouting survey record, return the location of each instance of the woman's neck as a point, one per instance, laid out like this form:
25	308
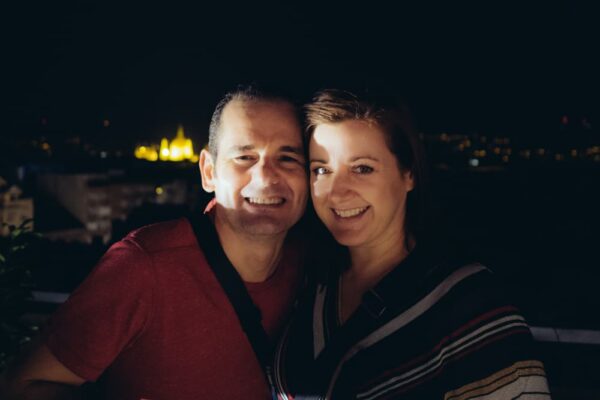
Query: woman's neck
370	263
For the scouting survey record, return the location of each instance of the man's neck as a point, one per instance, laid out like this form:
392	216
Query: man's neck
254	258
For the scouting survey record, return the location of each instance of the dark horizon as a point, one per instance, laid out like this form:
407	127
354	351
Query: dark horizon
504	69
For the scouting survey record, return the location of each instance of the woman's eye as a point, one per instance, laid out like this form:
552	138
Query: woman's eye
319	171
362	169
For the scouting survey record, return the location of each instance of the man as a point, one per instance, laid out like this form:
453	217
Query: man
152	318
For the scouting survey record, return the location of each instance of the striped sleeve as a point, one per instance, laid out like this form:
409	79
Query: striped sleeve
522	380
473	345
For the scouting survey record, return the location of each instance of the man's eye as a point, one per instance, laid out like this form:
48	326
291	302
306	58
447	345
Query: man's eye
244	158
362	169
291	159
320	171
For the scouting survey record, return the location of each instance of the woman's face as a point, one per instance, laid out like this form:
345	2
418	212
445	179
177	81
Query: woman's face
357	188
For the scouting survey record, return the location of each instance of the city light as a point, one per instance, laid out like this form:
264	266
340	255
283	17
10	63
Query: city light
146	153
177	150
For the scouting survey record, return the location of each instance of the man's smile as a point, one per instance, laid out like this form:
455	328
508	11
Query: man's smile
265	201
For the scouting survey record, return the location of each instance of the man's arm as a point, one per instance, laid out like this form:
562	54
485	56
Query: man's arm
39	375
115	297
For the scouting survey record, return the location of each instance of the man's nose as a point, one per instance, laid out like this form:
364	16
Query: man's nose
266	173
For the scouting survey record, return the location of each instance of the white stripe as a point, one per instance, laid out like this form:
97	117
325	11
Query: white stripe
452	348
278	363
49	297
577	336
318	330
406	317
445	353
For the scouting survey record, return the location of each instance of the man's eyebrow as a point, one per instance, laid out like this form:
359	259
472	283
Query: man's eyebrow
237	148
292	149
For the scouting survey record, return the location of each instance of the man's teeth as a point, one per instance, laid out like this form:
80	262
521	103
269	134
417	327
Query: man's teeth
267	200
352	212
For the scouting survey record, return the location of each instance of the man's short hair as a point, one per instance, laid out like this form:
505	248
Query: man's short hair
246	92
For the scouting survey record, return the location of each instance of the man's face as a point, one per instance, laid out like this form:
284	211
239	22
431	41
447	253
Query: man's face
259	176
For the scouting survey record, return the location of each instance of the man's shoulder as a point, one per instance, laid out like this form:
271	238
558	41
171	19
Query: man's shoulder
163	236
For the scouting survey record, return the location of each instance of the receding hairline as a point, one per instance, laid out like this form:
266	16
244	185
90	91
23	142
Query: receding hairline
245	98
246	104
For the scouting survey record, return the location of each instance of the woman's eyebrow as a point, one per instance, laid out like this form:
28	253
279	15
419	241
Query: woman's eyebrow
364	157
353	159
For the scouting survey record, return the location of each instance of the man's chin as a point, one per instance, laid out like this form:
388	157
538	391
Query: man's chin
264	226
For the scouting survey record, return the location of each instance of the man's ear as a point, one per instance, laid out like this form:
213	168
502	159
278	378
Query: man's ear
207	171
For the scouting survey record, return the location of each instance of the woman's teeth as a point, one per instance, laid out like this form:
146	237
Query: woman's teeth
352	212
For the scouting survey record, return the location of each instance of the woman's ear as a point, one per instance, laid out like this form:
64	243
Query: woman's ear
408	180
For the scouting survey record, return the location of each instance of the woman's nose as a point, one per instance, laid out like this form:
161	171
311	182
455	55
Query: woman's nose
341	187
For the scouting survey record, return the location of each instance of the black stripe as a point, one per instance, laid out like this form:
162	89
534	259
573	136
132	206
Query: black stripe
442	362
248	314
540	393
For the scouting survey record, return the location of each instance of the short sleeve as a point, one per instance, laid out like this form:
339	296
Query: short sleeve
105	314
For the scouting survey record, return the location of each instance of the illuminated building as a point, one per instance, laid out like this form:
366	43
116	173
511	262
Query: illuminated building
97	199
179	149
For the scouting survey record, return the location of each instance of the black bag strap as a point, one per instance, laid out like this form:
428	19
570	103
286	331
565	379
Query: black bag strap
248	314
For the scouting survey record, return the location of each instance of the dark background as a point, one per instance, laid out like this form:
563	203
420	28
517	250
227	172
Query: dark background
498	66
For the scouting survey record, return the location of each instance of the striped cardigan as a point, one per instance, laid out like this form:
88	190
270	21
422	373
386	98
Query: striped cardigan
428	330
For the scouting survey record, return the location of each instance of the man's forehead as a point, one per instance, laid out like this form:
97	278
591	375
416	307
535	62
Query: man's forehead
256	122
254	109
286	148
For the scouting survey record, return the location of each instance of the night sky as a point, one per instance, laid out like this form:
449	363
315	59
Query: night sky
505	68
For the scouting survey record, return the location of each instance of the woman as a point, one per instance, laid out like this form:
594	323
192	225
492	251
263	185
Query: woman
393	316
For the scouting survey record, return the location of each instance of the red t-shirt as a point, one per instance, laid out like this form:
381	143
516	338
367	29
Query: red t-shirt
154	320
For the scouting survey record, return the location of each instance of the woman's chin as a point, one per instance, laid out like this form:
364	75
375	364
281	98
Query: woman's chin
348	239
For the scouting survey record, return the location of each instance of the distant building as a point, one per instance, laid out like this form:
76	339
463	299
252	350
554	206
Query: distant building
179	149
96	199
14	210
55	223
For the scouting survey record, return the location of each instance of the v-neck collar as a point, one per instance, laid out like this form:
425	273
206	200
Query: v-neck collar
395	291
